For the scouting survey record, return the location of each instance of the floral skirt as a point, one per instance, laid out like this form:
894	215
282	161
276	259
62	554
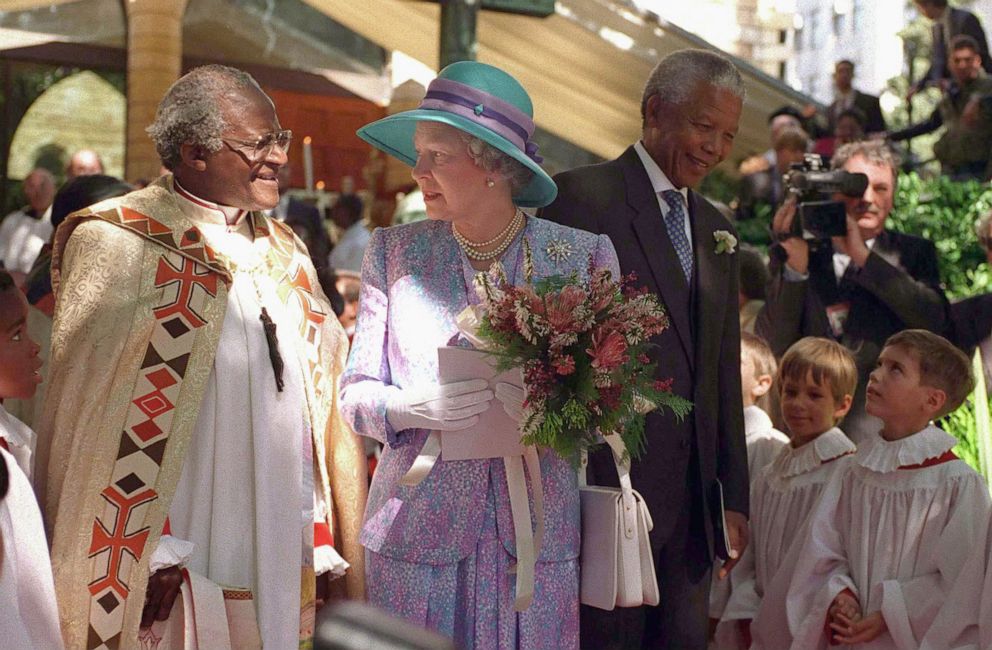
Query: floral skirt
471	601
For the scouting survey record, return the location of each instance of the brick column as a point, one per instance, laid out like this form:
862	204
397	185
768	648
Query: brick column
154	61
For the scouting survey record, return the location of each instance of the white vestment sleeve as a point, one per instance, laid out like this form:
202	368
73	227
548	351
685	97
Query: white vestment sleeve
171	551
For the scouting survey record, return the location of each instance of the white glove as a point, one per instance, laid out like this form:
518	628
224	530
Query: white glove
512	398
451	407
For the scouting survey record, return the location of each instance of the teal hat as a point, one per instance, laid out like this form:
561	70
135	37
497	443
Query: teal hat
482	101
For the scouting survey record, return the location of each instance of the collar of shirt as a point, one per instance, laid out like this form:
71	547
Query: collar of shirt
660	183
842	260
844	100
209	211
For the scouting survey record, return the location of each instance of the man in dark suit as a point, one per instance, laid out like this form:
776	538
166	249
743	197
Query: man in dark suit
667	235
948	22
847	97
858	289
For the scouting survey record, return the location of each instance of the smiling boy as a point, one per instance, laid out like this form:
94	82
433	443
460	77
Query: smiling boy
816	382
889	542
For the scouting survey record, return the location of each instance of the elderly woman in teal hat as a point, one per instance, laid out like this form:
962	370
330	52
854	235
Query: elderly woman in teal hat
442	552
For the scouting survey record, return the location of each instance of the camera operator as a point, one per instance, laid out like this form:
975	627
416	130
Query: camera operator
859	288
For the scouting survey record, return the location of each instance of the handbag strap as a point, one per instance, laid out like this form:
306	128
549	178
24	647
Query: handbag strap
622	461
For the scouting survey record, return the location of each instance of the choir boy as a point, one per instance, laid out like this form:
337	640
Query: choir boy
816	383
889	561
27	594
758	367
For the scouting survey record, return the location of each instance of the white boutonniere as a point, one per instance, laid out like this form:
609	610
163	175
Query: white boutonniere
725	242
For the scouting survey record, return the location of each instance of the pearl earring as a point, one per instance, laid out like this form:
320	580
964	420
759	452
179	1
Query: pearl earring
490	182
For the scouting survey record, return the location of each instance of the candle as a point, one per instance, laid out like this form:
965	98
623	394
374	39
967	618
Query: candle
308	163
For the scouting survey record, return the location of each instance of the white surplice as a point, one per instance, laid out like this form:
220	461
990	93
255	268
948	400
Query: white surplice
900	538
245	498
20	441
29	619
783	495
763	441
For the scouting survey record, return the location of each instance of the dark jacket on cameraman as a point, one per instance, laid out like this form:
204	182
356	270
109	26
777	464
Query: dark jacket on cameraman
897	288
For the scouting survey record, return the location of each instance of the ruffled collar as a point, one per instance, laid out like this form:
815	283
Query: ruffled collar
830	445
16	432
882	455
756	421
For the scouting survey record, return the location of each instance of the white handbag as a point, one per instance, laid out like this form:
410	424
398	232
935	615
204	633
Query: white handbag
617	567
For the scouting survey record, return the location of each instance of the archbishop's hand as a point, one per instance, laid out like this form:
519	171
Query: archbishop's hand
737	533
163	587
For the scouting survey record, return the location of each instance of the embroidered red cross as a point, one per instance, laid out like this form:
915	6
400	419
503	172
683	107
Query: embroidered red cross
118	541
311	309
188	278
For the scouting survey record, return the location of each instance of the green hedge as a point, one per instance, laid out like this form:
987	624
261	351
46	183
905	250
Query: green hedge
945	212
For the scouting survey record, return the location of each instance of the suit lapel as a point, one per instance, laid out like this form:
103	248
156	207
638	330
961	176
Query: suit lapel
709	284
649	229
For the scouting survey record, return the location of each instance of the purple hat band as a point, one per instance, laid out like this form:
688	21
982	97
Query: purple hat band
495	114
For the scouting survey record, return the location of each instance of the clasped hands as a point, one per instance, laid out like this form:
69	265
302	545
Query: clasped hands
848	625
451	407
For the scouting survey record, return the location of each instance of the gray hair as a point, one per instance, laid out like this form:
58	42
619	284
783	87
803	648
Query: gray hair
491	159
678	74
874	151
190	112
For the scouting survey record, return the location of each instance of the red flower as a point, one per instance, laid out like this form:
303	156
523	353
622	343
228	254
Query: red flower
664	385
608	349
609	396
561	308
564	365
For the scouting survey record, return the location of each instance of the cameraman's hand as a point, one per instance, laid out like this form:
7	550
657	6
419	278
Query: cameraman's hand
853	244
796	247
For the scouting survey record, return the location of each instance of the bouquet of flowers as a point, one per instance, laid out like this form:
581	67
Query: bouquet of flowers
582	347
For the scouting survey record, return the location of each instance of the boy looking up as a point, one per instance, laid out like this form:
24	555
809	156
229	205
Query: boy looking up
816	382
19	377
27	594
890	539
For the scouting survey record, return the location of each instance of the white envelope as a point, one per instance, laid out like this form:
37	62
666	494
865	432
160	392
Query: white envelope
495	435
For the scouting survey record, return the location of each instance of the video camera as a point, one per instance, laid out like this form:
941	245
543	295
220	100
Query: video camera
820	217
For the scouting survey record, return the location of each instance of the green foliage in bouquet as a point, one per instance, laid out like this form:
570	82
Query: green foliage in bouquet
583	348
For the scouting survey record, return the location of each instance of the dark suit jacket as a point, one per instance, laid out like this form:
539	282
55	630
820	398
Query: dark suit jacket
898	288
962	22
867	104
700	351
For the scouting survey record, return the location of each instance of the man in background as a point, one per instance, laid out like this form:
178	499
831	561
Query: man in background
948	22
24	232
84	162
965	112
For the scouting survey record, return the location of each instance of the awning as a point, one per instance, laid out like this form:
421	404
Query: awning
584	67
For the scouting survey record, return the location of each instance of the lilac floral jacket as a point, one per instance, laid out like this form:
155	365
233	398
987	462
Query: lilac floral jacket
415	282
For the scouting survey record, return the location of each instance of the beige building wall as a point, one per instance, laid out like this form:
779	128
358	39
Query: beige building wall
154	61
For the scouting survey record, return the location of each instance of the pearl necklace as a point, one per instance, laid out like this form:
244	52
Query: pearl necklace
472	248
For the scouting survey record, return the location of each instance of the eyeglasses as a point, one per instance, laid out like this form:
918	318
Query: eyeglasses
258	150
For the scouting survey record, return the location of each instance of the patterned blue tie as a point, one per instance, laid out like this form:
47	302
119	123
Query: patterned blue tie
675	224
